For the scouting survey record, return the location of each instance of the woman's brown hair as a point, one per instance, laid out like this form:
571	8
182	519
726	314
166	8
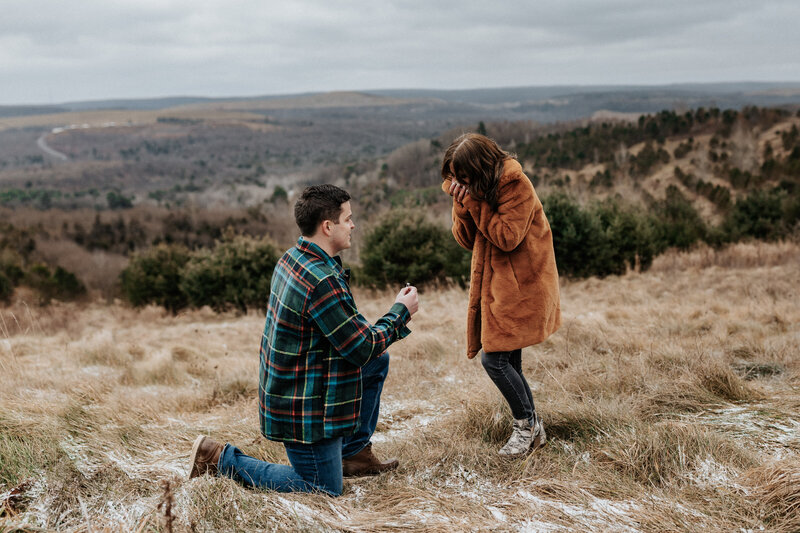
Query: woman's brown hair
477	162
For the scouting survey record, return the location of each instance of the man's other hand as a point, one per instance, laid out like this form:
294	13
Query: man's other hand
408	297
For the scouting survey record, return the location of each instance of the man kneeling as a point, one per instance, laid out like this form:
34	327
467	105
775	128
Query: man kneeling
318	354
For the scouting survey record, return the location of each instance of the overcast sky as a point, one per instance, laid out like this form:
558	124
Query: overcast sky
52	51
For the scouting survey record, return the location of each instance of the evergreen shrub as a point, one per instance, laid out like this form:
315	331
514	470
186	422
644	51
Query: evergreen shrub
17	268
11	265
6	288
153	276
235	273
602	239
765	215
405	246
577	236
59	284
679	224
629	234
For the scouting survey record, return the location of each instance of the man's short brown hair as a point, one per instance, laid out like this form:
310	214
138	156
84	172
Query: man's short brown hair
316	204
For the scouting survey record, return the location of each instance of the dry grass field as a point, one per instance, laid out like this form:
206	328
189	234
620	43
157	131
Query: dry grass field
670	398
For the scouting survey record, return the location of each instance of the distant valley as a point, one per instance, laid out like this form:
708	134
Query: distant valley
237	151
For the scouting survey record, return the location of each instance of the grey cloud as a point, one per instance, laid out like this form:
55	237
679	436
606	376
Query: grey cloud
99	49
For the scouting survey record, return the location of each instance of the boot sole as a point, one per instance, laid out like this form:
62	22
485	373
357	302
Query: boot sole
539	441
193	470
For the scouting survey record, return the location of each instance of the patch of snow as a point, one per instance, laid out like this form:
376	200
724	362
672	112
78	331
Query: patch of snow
38	510
127	515
42	396
427	517
597	513
711	474
158	461
337	512
680	508
537	526
358	491
97	371
175	422
497	513
567	446
297	509
77	453
777	438
424	413
421	515
123	515
466	475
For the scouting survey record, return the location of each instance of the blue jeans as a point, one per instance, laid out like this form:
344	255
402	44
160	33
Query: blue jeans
317	466
373	374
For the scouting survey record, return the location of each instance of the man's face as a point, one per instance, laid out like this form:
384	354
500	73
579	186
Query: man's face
341	230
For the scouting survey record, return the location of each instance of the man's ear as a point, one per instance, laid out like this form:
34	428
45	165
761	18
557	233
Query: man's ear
325	228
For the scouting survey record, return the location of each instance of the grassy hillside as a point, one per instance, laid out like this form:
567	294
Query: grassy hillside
239	152
711	156
618	191
635	159
670	393
670	398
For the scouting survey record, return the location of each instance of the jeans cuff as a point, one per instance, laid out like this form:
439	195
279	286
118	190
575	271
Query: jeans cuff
225	449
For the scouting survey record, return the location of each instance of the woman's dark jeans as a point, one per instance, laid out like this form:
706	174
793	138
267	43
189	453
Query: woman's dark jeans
505	370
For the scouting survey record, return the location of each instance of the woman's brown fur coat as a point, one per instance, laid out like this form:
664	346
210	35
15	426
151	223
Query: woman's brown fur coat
513	294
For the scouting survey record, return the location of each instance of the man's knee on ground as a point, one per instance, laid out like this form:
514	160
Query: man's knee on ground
333	491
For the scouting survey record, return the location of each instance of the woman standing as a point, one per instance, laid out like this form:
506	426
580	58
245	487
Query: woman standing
513	295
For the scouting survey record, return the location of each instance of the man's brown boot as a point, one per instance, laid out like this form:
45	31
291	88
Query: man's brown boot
364	463
205	456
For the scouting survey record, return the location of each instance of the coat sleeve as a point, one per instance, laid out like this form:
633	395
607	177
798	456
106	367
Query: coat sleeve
506	227
350	334
464	228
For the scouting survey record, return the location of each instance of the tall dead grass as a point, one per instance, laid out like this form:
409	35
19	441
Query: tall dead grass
776	487
669	397
738	255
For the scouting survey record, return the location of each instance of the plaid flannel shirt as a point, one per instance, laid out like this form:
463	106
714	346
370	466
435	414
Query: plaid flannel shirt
314	344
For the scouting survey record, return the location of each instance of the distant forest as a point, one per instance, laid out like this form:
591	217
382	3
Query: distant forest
616	191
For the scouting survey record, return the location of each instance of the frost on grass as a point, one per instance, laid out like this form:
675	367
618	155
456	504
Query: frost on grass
398	418
114	458
156	463
593	514
774	433
710	474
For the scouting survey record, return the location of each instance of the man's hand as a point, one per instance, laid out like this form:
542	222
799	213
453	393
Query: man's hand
408	297
458	191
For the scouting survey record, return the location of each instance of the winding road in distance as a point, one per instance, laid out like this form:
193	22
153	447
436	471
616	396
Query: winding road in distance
42	143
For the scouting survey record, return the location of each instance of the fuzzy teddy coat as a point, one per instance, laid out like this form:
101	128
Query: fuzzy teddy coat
513	295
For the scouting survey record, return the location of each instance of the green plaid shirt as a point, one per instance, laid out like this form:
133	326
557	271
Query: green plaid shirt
314	344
